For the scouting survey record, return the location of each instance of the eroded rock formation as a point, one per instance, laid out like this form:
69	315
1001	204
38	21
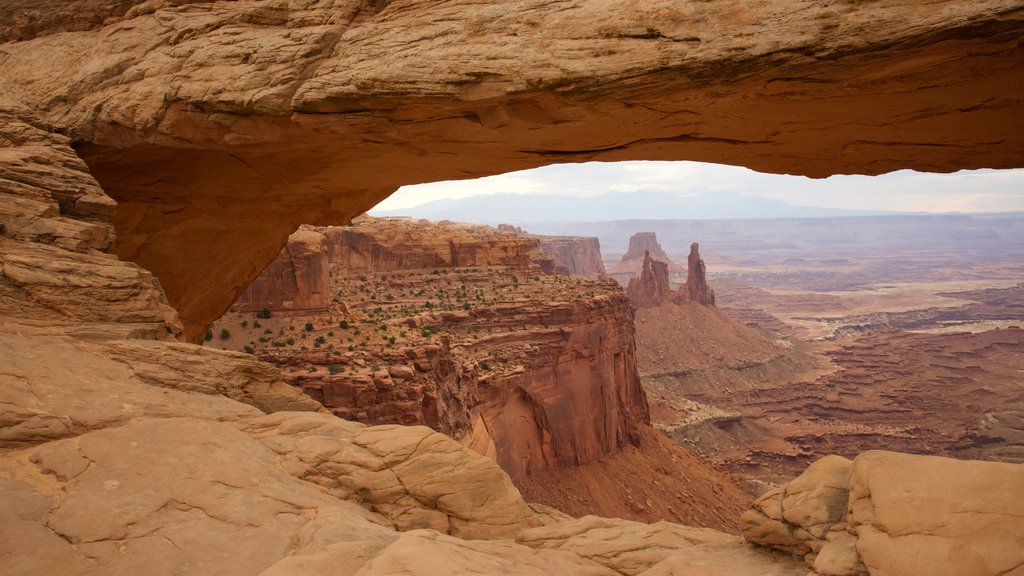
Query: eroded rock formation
696	288
397	244
185	472
890	513
558	385
221	126
641	246
650	288
578	256
297	280
242	120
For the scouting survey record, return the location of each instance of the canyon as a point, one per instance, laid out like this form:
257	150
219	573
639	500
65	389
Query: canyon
459	327
157	155
810	356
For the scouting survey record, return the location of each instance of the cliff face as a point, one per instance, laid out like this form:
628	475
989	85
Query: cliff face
468	337
650	288
221	126
398	244
296	280
578	256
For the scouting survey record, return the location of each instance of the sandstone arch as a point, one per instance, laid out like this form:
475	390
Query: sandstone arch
221	126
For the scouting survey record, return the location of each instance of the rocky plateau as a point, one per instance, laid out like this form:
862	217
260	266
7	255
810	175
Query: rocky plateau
458	327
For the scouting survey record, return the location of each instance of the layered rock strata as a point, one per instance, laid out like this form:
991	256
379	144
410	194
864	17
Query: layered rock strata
241	120
696	288
468	337
576	255
535	371
650	288
186	472
298	279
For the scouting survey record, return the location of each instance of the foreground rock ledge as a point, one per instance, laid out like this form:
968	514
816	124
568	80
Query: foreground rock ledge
221	126
892	513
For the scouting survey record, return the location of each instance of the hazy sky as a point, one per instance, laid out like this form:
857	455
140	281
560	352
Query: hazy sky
906	190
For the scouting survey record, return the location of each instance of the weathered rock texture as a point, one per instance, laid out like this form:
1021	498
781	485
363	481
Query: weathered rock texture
550	376
221	126
650	288
578	256
696	288
296	280
536	371
891	513
641	246
241	120
397	244
124	453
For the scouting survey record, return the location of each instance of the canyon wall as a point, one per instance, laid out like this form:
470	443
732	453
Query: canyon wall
220	127
577	255
296	280
538	370
396	244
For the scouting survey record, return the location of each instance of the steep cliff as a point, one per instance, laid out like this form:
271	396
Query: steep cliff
696	288
239	121
466	332
396	244
536	371
221	126
578	256
296	280
650	288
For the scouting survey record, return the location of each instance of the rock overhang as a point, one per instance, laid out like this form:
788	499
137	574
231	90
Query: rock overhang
220	127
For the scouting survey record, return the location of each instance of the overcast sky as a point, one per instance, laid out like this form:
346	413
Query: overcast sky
906	190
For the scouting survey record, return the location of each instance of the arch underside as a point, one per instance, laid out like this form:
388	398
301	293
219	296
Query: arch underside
209	184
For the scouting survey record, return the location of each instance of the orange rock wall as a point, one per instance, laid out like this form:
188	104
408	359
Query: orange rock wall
577	255
296	280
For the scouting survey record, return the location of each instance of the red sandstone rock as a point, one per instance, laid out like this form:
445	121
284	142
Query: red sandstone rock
696	288
632	263
394	244
579	256
651	287
296	280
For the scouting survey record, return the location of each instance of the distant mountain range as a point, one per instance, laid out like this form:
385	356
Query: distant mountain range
641	205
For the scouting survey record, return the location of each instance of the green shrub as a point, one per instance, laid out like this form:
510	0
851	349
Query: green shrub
248	349
309	326
209	334
335	368
265	313
224	334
